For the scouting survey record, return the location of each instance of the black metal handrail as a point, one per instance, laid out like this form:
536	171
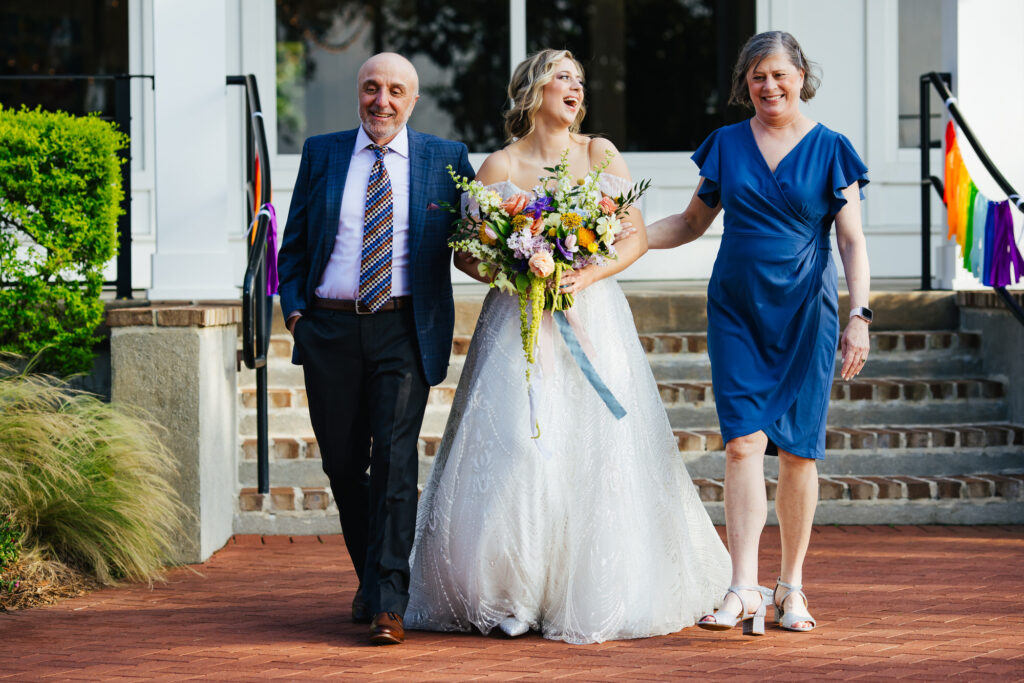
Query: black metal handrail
941	81
123	118
255	302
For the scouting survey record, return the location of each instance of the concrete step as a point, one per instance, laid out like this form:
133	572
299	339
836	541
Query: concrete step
977	498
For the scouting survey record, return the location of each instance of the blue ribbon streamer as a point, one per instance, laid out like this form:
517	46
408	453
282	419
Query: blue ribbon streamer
589	371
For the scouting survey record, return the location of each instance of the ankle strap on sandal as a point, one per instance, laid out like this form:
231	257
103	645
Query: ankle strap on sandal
790	590
735	590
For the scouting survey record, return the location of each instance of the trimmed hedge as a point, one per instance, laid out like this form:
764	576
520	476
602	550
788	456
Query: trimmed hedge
60	195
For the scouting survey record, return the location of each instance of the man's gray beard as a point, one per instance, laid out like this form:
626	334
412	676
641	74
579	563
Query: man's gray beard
373	129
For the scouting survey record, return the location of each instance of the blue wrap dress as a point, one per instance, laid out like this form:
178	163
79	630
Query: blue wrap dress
773	323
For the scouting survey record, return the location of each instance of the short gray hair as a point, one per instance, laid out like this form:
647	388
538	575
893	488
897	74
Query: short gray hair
770	43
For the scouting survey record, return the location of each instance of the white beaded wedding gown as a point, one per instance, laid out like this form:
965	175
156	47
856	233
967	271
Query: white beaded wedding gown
592	532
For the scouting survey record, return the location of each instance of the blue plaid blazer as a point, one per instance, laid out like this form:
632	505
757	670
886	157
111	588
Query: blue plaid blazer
312	228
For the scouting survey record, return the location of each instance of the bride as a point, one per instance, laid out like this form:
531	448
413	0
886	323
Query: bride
594	531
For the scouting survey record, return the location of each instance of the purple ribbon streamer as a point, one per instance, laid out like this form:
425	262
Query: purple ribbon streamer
1004	249
272	281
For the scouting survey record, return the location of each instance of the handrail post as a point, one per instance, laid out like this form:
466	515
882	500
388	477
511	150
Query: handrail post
262	416
926	184
123	117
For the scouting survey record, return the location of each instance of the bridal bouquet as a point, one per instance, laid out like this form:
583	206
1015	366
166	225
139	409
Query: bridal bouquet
526	243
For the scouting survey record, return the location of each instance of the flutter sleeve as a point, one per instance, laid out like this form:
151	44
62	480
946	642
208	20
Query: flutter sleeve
707	159
847	169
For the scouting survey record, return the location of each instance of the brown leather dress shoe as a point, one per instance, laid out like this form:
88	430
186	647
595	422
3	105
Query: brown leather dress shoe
360	609
386	629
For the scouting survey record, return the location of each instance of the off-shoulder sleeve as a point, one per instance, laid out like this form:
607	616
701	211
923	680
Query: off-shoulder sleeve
707	159
613	185
847	169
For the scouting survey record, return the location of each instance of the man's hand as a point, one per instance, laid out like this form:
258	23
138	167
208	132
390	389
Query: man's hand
290	323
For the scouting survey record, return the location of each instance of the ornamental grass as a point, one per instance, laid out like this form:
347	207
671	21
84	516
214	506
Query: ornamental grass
84	482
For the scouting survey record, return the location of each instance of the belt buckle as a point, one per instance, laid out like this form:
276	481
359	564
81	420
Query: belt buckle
361	310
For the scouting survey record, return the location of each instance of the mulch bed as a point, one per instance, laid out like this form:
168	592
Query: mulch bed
41	583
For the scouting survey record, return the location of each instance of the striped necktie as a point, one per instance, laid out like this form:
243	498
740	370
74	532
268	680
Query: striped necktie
375	271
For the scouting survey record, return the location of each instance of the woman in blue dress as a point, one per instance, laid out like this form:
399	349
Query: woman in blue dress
773	324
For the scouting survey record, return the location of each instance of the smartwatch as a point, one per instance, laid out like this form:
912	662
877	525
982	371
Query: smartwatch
862	312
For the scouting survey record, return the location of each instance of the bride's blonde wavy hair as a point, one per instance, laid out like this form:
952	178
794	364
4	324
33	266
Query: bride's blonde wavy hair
528	80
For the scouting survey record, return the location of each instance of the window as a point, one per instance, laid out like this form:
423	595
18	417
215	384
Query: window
62	37
676	56
920	36
460	49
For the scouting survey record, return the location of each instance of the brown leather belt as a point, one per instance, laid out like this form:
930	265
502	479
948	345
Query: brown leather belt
349	306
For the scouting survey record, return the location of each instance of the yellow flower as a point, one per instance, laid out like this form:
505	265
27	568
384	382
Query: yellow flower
552	232
586	238
571	221
521	221
592	247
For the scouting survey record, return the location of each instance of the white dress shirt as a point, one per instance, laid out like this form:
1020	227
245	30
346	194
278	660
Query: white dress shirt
341	275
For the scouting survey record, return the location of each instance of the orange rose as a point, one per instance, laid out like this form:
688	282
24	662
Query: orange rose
515	204
537	226
608	205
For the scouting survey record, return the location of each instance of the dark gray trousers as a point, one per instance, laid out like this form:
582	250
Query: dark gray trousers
367	395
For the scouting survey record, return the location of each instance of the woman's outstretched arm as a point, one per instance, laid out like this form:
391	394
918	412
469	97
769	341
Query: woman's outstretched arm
682	228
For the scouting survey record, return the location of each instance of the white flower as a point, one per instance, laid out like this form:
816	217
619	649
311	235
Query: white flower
553	220
607	226
490	201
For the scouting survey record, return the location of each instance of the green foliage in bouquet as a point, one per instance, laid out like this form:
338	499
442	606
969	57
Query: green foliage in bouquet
84	482
60	195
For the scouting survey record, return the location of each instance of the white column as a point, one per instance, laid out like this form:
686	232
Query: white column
193	259
987	73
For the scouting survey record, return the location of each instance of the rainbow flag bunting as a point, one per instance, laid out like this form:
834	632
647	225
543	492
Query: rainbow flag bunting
982	228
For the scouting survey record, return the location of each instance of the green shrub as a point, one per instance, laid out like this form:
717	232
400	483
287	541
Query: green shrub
10	541
60	194
10	551
86	481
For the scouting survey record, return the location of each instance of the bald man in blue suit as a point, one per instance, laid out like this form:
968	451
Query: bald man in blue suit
365	285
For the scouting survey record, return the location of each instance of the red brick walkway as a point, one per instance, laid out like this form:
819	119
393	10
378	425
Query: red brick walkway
924	603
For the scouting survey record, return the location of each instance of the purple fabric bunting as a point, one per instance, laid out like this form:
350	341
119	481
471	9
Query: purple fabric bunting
272	281
1004	249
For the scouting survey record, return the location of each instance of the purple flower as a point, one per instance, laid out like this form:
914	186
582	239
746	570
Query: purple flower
538	205
524	245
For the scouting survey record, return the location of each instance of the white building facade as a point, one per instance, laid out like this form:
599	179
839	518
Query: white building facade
188	131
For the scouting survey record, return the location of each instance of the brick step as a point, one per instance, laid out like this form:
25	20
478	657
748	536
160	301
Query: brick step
884	392
673	306
684	343
294	419
909	450
878	390
981	498
939	353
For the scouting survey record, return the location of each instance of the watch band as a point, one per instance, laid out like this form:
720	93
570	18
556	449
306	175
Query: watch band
862	312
